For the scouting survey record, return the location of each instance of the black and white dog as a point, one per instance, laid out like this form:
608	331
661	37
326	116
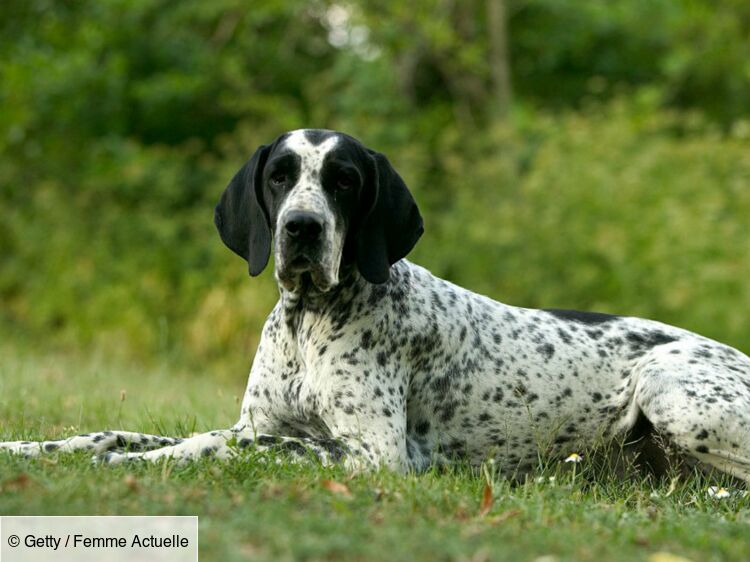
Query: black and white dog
370	360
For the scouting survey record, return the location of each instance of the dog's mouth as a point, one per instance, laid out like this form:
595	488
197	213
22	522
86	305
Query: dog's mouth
301	263
303	274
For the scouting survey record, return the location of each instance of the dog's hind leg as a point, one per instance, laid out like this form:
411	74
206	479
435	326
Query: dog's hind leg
696	393
97	443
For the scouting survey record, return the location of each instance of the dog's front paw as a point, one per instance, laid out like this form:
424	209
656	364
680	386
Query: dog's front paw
26	449
112	458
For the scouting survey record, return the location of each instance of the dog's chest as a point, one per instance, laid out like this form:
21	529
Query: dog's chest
316	379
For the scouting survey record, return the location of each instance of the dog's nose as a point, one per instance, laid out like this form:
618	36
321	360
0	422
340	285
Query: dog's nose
303	226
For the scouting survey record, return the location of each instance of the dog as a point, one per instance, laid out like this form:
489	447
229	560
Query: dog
371	361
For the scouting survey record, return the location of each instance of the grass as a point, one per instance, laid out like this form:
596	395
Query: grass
266	511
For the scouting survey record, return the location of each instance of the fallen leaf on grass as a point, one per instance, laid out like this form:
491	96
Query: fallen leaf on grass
131	482
336	488
487	500
17	483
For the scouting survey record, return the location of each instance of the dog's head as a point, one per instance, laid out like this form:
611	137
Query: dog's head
322	200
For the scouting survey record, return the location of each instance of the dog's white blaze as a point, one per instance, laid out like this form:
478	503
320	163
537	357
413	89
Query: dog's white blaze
313	153
308	195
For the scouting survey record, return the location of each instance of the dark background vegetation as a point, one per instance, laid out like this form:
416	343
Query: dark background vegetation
565	153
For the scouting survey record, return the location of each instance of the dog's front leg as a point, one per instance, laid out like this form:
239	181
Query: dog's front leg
228	444
97	442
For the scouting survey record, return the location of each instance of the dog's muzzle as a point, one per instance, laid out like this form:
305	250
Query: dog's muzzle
304	250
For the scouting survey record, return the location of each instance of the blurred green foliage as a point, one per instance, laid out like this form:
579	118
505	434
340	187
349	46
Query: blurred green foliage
619	182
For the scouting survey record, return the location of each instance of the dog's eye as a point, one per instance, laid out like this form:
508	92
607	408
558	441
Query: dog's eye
344	183
277	180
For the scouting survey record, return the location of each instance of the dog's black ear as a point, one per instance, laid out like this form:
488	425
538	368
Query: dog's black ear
391	222
242	218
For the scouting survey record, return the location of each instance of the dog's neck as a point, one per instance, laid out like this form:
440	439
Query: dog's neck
336	304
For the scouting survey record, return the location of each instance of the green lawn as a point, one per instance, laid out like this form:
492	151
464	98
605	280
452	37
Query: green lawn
252	510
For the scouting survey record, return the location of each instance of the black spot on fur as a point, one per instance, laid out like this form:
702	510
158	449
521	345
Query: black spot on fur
649	339
447	412
366	341
422	427
595	334
268	440
582	317
334	449
293	447
547	350
519	390
564	336
382	357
